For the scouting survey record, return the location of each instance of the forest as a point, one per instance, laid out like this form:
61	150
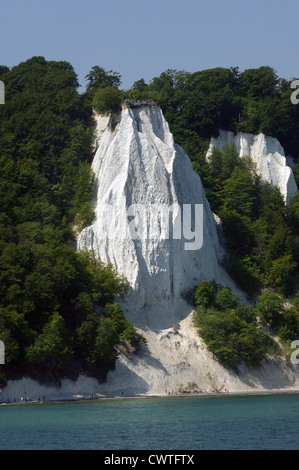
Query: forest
49	291
51	295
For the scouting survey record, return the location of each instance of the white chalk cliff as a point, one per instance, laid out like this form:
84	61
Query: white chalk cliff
138	165
268	155
137	162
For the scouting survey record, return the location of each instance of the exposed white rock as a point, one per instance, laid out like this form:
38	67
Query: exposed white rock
137	163
176	361
268	155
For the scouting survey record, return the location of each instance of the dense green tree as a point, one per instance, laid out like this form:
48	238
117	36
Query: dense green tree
99	337
52	346
211	102
245	272
106	342
270	307
240	193
140	91
238	231
295	301
230	330
205	293
289	328
86	335
259	83
246	313
107	100
294	212
281	273
226	299
98	77
83	211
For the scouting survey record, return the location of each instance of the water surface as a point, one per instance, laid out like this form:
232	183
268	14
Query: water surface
191	423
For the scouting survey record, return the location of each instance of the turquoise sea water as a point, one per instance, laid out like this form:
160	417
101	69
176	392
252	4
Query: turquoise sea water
191	423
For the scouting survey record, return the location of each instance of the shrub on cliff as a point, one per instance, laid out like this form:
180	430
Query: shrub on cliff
107	100
229	328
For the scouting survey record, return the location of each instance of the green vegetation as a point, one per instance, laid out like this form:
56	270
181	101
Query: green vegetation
102	91
260	232
83	191
101	78
236	332
197	104
49	293
59	310
107	100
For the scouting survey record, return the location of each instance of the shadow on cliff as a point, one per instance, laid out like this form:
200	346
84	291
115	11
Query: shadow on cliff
126	381
272	374
158	315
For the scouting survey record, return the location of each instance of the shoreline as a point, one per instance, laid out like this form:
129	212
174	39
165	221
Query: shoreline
140	397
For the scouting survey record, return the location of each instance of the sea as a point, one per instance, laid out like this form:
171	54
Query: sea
249	422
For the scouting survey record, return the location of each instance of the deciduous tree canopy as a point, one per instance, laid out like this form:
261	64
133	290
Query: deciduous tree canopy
48	291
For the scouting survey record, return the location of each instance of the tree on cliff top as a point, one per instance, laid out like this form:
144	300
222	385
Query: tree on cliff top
98	77
107	100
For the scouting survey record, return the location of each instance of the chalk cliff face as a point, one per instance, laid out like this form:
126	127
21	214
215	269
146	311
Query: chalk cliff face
138	167
267	153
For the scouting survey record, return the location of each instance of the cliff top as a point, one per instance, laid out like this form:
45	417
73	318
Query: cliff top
130	103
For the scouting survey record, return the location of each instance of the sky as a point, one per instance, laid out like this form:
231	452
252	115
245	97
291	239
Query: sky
143	38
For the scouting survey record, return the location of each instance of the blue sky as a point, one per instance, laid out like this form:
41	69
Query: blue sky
143	38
